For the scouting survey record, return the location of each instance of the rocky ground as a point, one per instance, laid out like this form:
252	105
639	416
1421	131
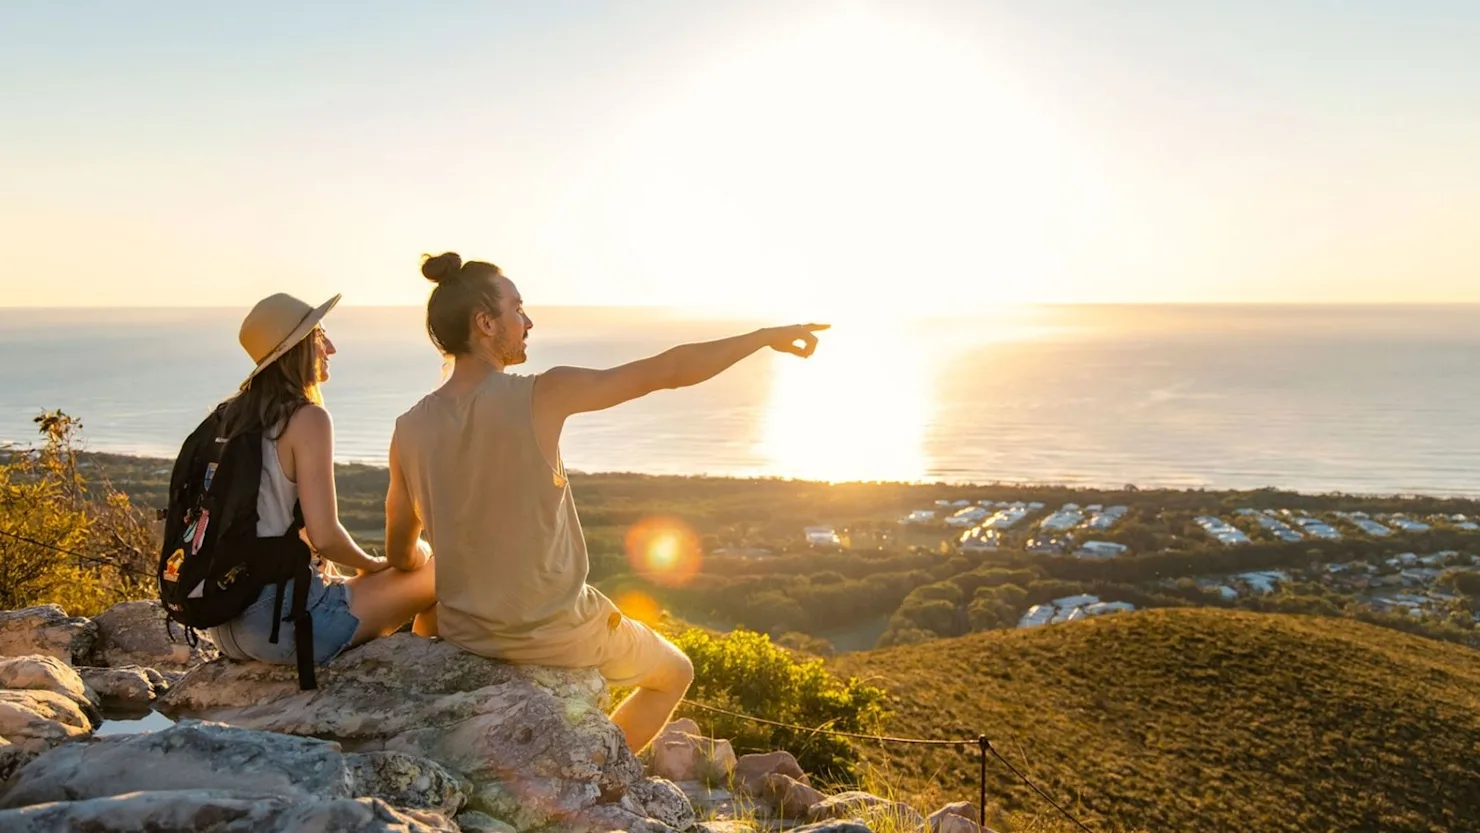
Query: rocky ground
403	734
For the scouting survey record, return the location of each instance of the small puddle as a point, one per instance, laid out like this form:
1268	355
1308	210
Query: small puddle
132	723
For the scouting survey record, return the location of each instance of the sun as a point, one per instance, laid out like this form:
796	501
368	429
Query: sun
663	551
858	409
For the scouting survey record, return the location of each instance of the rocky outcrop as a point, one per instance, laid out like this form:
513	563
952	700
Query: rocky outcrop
43	702
48	631
790	798
131	688
402	734
661	800
134	633
220	812
209	756
47	673
956	817
533	741
36	720
680	753
751	771
407	781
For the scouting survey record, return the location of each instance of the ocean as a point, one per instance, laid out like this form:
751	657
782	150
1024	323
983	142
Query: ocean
1360	399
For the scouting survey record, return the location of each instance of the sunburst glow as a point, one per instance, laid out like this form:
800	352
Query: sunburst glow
857	410
638	605
663	550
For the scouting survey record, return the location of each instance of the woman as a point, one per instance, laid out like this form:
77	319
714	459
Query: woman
281	399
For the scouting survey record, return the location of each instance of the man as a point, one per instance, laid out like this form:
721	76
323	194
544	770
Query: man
477	464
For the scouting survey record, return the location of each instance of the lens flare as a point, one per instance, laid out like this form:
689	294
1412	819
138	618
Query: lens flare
638	605
664	551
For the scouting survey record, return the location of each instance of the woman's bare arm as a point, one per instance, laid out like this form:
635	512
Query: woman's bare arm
310	434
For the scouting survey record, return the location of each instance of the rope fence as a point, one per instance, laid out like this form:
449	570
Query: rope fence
103	562
983	745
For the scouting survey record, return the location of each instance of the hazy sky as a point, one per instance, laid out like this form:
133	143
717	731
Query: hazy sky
779	157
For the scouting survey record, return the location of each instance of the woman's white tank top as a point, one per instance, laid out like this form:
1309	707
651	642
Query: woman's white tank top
276	495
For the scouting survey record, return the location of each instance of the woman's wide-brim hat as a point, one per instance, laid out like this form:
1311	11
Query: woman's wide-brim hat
276	325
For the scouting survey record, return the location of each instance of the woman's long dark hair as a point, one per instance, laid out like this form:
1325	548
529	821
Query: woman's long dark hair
276	393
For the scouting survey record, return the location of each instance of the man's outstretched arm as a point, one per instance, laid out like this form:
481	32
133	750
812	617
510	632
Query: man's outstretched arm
562	391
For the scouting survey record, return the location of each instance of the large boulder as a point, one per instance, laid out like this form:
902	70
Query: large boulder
956	817
952	823
208	756
134	633
751	771
681	755
220	811
790	798
685	725
534	741
36	720
47	673
407	781
46	630
131	688
662	800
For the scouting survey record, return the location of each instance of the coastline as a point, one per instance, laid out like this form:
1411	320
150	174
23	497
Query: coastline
143	469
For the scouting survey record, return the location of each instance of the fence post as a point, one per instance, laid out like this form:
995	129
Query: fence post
981	808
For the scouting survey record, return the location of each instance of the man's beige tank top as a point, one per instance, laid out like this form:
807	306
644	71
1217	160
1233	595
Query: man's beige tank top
511	559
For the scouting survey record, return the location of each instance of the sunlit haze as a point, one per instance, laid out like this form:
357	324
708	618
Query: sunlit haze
777	158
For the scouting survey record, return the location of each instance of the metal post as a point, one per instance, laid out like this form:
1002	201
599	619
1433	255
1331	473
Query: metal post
981	808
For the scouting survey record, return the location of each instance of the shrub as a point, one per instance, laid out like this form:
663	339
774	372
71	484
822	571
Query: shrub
745	672
47	505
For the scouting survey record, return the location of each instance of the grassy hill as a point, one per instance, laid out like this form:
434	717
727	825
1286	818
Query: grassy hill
1196	719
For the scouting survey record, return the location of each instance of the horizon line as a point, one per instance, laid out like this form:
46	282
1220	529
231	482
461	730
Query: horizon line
732	311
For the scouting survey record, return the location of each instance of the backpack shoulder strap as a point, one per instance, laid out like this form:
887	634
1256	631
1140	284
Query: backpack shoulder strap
241	478
190	458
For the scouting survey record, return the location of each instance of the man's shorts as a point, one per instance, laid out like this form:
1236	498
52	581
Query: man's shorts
633	653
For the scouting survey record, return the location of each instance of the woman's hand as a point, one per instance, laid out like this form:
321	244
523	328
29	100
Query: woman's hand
373	564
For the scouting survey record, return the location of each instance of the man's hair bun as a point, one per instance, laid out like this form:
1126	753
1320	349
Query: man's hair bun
441	268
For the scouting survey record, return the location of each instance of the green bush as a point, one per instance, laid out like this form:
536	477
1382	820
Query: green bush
47	506
745	672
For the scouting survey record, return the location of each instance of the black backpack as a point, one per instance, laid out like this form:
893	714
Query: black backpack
212	565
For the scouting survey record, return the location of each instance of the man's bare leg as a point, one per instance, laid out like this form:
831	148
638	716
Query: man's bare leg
646	711
425	623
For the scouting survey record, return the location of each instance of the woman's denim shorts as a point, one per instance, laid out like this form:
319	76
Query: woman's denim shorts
245	637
